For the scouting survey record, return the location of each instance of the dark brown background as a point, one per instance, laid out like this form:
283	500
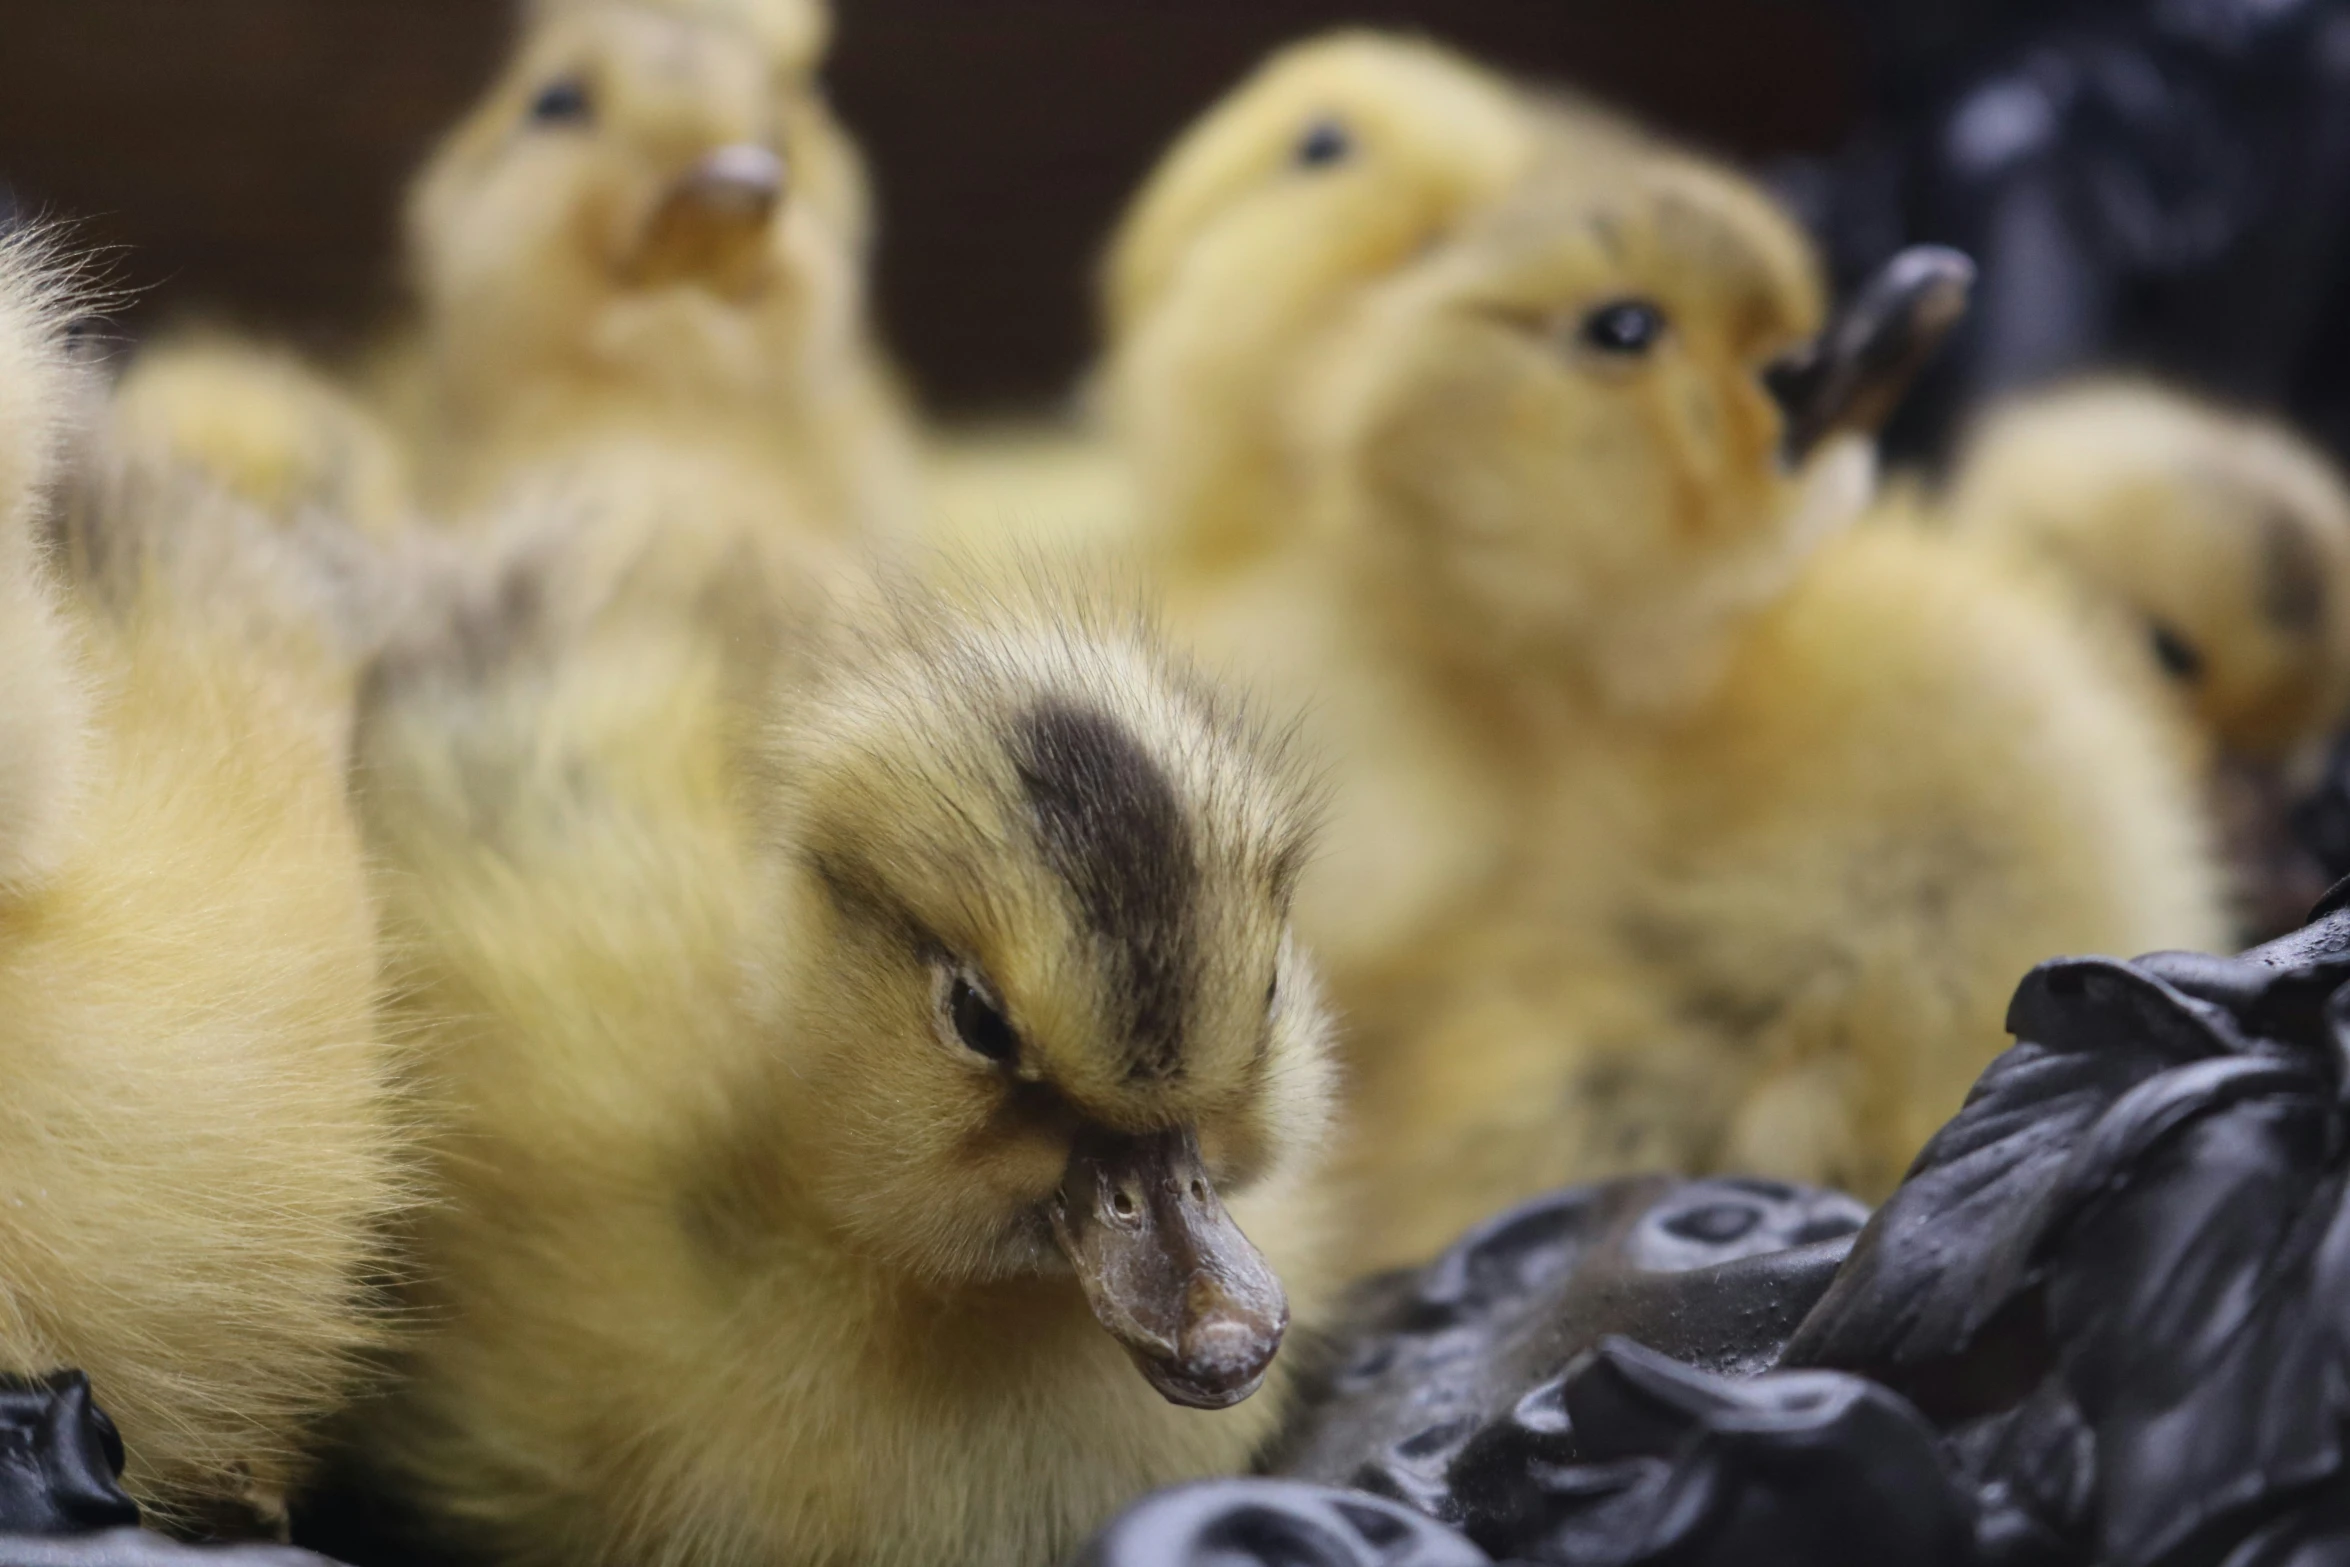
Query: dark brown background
247	154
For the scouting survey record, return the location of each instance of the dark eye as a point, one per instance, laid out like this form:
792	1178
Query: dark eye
1324	143
564	101
2180	658
980	1026
1626	326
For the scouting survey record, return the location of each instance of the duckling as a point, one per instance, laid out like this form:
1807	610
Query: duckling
1340	159
2214	548
1817	796
846	1081
2218	542
269	427
196	1145
651	226
1335	165
1335	161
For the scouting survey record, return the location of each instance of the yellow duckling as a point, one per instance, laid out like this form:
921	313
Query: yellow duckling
1339	160
1335	161
1335	165
2214	549
652	228
195	1140
1815	799
883	1141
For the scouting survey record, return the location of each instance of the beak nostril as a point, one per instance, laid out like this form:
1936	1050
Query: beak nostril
1199	1190
1122	1203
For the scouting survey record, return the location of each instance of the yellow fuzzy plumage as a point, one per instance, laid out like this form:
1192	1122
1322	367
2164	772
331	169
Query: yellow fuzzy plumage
538	340
722	1266
195	1141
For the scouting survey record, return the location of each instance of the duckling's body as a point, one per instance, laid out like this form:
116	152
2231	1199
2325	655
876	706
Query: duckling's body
1913	784
652	229
195	1141
2211	550
745	1251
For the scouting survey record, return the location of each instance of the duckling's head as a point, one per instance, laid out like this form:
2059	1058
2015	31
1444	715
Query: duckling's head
1586	431
1339	160
1341	156
1046	1015
651	195
2218	542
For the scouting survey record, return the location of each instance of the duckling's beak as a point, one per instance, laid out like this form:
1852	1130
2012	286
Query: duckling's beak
710	225
1166	1270
1853	375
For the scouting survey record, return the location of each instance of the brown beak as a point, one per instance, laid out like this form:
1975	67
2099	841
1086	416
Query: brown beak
1854	374
1166	1270
710	226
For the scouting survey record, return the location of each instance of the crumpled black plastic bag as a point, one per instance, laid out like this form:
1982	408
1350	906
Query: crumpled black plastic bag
60	1505
1716	1272
2160	183
1632	1457
1628	1459
1239	1523
59	1456
2135	1237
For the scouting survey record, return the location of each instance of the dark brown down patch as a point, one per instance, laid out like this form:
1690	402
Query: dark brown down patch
1113	830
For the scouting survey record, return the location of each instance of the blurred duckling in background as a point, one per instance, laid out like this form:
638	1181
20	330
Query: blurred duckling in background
1817	797
651	228
1335	163
195	1141
876	1102
2213	548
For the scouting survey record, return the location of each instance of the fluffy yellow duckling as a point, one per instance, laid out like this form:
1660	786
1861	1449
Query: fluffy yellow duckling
652	227
2214	548
267	426
1815	801
882	1140
194	1141
2217	542
1335	163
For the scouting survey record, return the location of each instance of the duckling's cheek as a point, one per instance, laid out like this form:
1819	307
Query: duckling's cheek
1235	1149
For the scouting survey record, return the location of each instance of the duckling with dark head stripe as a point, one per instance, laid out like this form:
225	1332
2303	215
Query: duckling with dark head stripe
810	1107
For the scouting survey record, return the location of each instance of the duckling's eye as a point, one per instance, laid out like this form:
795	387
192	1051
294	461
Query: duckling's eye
1624	326
1324	143
979	1025
564	101
2180	658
